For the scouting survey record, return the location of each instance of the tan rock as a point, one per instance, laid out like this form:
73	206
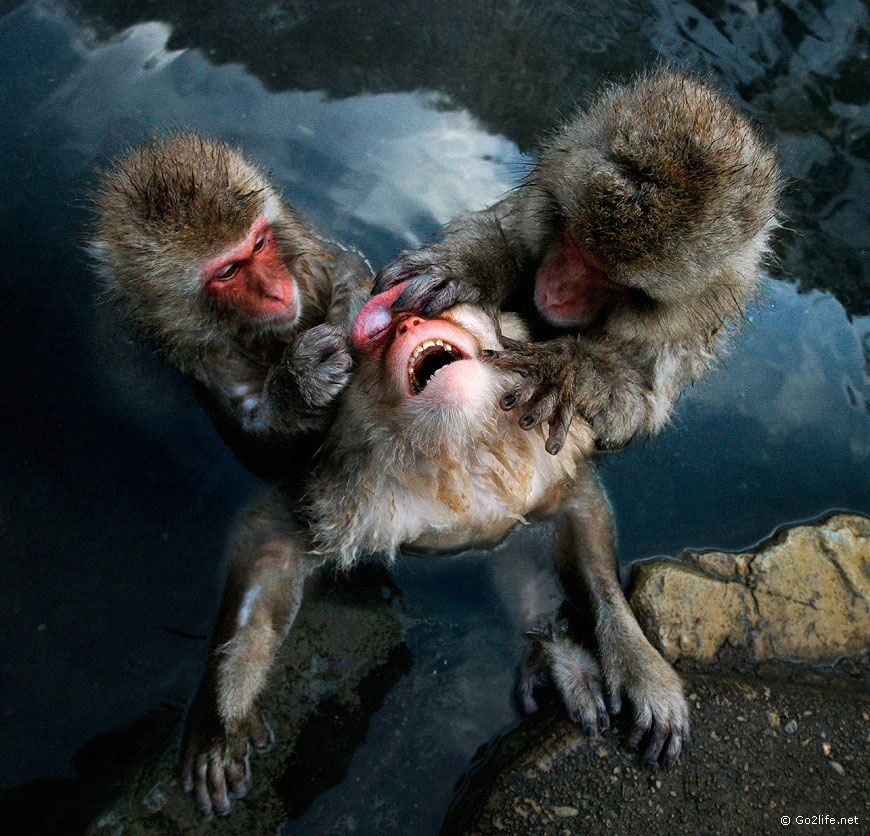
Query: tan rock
805	594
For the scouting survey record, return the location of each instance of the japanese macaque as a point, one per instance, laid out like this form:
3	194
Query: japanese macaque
421	455
638	234
230	284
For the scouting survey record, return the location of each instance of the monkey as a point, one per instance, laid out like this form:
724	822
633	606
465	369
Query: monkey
421	455
230	284
635	242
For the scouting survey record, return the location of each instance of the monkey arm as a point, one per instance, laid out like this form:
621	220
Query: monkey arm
480	259
269	562
352	280
301	389
630	666
620	387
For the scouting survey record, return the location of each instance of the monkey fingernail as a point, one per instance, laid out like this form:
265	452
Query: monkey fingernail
527	421
509	401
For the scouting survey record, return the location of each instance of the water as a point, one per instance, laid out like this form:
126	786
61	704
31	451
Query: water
115	491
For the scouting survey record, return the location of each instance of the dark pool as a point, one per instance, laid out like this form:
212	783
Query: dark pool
380	121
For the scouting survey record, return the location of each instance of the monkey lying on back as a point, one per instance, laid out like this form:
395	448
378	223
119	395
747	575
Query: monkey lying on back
421	455
232	286
638	234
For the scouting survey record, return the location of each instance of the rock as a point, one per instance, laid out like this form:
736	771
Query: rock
344	651
803	595
771	775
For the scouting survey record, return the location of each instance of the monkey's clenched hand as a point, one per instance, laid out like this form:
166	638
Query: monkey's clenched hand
214	762
311	374
320	364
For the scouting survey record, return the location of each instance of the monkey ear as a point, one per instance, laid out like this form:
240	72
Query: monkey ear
373	321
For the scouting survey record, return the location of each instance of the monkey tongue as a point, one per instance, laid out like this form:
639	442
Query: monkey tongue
374	320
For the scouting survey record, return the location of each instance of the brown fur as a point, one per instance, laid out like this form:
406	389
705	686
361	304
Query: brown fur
669	187
162	211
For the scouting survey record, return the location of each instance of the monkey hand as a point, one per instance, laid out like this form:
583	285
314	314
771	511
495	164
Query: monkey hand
549	387
435	282
318	363
214	763
556	661
660	713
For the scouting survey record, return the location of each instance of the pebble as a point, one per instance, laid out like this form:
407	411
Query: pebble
790	727
837	767
773	719
826	748
566	812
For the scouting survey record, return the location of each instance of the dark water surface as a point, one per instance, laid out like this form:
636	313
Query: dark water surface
115	491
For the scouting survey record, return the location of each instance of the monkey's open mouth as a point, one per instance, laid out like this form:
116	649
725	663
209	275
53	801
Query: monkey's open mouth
427	359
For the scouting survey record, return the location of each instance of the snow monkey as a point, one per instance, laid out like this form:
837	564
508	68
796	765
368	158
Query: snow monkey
230	284
636	240
421	455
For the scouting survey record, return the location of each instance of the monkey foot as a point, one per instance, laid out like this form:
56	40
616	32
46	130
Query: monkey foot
660	714
216	762
574	674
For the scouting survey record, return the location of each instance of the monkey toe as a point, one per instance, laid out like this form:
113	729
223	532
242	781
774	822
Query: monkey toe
529	686
260	732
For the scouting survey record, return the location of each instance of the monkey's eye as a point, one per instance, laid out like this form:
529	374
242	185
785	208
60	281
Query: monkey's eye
262	238
226	272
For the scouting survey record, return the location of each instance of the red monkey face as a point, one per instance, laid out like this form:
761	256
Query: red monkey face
571	287
252	279
428	367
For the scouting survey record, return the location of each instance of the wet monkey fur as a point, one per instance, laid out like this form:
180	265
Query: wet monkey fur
228	281
423	452
636	239
421	455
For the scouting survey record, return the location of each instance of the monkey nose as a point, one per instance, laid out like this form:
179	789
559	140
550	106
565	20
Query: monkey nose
374	320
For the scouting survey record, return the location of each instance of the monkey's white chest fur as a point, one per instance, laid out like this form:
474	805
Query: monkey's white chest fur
459	498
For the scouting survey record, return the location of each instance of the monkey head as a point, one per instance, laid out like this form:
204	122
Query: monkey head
426	378
659	191
195	241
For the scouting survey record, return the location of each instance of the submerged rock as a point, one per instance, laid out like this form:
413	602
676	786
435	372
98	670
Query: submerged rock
804	595
343	655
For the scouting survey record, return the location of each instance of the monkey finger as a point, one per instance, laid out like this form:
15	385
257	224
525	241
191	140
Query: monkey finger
446	297
506	361
672	751
642	722
518	396
655	744
238	775
260	732
543	407
217	787
422	292
529	683
559	425
394	273
187	774
614	696
200	787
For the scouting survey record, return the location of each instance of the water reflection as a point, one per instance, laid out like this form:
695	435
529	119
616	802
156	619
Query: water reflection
117	493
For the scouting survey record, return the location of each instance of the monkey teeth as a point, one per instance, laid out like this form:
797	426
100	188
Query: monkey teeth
427	359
